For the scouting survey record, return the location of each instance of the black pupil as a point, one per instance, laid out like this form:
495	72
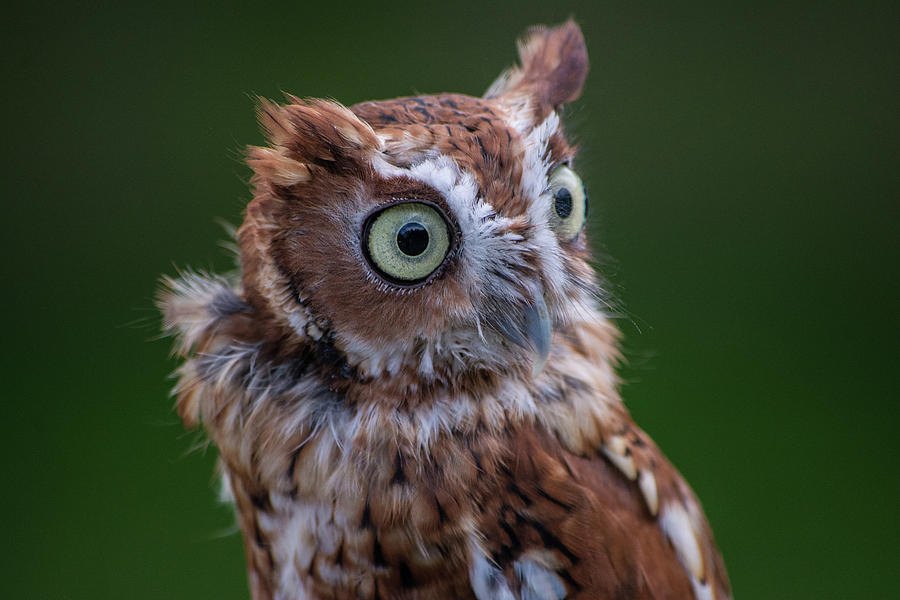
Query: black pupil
563	203
412	239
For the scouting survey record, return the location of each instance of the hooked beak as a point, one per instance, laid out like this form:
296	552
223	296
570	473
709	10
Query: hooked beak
530	329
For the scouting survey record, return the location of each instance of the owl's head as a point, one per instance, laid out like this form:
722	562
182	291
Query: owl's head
429	235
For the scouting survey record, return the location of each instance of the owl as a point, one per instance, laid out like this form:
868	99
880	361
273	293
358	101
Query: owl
411	380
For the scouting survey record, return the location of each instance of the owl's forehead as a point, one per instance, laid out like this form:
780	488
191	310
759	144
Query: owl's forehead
499	145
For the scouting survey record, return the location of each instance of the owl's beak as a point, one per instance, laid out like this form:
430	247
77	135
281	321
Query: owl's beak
537	327
530	328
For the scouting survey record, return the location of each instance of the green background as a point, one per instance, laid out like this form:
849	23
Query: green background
742	163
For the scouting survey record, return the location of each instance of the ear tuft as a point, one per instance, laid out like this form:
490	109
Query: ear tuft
309	132
273	165
554	65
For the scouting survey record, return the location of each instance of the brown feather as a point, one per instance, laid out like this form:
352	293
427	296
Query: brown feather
591	520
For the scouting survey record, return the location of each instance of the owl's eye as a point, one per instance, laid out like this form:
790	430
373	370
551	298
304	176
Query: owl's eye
569	202
406	242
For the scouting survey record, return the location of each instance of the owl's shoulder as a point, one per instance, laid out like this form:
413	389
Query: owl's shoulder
616	522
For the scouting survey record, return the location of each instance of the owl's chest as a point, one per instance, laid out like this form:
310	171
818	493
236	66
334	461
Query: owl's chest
382	520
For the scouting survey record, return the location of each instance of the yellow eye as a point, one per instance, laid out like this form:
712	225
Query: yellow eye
569	203
407	242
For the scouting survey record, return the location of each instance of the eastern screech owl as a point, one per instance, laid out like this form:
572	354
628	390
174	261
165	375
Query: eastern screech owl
411	383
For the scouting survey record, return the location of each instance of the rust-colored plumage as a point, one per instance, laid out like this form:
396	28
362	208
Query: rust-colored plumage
411	384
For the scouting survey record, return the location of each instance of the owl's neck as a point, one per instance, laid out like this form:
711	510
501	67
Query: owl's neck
237	360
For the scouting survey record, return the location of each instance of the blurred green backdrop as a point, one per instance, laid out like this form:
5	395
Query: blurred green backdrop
742	163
